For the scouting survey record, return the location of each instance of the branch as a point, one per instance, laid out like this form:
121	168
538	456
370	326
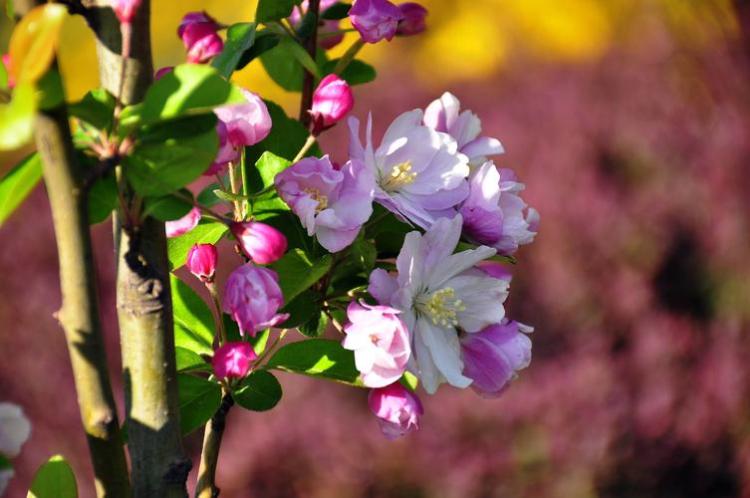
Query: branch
308	84
206	487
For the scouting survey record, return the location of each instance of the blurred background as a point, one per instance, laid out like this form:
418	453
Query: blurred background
629	122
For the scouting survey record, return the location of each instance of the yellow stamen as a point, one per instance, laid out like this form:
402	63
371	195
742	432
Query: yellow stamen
400	176
442	307
321	199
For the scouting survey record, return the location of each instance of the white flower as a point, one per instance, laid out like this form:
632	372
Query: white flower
5	476
14	429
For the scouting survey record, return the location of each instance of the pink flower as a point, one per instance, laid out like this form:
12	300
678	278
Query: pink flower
201	261
226	154
413	22
183	225
125	9
332	100
246	124
496	270
380	343
398	410
161	72
375	19
232	360
260	242
252	298
493	355
198	31
325	25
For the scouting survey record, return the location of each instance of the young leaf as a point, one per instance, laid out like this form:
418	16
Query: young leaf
168	207
207	232
96	108
207	197
240	38
17	118
265	40
259	391
269	165
297	272
356	73
17	184
189	361
193	321
199	400
54	479
317	358
282	67
273	10
102	199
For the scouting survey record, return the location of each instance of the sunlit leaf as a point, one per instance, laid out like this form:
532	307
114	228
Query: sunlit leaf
17	118
54	479
317	358
17	184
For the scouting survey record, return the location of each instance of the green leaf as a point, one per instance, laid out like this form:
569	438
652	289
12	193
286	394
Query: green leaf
96	108
169	156
285	64
102	199
301	309
49	91
273	10
199	400
54	479
336	11
193	321
3	75
207	232
5	463
269	165
169	207
260	341
409	381
259	391
10	10
286	138
207	197
17	184
17	118
317	358
240	38
297	272
188	89
299	53
265	40
356	73
189	361
315	327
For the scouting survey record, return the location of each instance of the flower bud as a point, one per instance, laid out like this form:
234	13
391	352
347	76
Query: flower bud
201	261
398	409
159	74
247	123
198	32
232	360
332	100
183	225
375	19
226	153
252	298
262	243
125	9
413	22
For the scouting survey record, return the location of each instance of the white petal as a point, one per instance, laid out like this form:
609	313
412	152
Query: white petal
445	351
483	298
457	263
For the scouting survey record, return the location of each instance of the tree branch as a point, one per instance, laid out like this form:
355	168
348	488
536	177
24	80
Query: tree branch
206	487
308	84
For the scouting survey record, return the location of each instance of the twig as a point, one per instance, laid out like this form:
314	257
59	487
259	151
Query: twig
308	84
206	487
305	148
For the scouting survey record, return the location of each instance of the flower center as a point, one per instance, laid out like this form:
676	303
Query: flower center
400	176
442	307
321	199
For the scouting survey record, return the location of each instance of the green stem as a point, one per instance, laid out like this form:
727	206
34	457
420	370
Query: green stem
218	317
245	184
348	56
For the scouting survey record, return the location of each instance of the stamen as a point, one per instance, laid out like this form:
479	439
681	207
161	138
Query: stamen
442	307
400	176
321	199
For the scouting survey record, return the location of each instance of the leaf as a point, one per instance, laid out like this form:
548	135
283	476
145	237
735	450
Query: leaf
102	199
301	309
273	10
34	41
189	361
265	40
194	323
17	184
17	118
356	73
240	37
207	232
199	400
317	358
409	381
54	479
285	62
259	391
49	91
315	327
286	138
336	11
187	90
269	165
207	197
3	75
302	56
96	108
169	207
297	272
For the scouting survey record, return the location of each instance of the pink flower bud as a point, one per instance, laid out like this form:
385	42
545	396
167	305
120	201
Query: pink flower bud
226	153
260	242
375	19
183	225
247	123
125	9
332	100
232	360
413	22
398	409
159	74
198	31
252	298
201	261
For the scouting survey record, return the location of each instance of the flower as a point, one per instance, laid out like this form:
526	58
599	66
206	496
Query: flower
494	214
233	359
418	171
331	204
380	343
252	298
493	355
443	115
438	292
260	242
201	261
332	100
198	31
226	154
183	225
325	25
398	410
161	72
375	19
6	475
247	123
14	429
125	9
413	22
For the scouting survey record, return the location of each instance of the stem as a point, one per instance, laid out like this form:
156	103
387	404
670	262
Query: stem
216	302
305	148
206	487
235	190
245	184
348	56
308	84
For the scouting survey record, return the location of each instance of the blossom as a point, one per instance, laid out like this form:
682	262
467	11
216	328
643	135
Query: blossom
6	475
226	154
125	10
198	32
332	100
161	72
375	19
201	261
380	343
331	204
325	25
398	409
252	298
233	359
493	355
418	171
413	22
465	127
260	242
14	429
494	214
247	123
438	292
183	225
